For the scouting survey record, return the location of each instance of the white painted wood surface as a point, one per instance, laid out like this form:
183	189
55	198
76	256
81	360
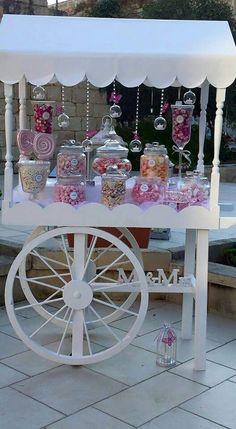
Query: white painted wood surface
202	125
8	174
189	268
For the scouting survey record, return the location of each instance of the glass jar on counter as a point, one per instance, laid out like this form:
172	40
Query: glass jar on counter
113	187
148	189
196	188
111	153
43	112
70	190
71	160
33	175
154	162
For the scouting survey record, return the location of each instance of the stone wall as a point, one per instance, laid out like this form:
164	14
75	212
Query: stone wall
75	107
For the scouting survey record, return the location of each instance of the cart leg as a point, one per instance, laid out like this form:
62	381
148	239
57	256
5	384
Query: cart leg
189	268
201	300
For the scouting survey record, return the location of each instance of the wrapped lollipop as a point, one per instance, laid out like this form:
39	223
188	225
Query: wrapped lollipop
44	146
25	141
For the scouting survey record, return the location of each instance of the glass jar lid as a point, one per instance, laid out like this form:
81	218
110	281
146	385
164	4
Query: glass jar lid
71	145
155	148
112	145
34	163
113	172
70	180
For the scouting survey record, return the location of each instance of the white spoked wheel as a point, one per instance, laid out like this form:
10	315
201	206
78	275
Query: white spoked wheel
61	243
82	297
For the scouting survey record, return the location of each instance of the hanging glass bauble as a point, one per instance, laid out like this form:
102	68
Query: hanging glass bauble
160	123
115	111
135	145
39	93
63	120
87	145
189	97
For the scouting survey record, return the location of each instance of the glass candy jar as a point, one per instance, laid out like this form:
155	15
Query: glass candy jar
71	160
154	162
43	112
33	175
148	189
166	346
196	188
113	187
70	190
181	123
111	153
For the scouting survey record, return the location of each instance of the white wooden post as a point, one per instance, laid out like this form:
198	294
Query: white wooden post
189	268
215	175
202	125
22	106
201	300
8	174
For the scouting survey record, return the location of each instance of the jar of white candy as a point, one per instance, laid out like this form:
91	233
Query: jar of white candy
71	160
33	175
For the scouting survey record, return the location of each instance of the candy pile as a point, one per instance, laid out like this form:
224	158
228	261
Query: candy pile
71	164
147	190
196	191
154	166
100	165
70	193
181	124
34	175
43	118
113	192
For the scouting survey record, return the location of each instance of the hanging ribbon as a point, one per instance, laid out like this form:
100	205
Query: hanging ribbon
185	153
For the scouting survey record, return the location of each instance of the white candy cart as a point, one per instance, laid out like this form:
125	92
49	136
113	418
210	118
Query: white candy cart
81	306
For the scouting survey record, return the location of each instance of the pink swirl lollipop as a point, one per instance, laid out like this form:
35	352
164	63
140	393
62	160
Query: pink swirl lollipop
25	142
44	146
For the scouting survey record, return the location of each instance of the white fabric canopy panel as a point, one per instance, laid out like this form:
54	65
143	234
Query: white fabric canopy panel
133	51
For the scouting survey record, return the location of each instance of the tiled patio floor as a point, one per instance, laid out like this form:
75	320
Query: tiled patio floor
126	391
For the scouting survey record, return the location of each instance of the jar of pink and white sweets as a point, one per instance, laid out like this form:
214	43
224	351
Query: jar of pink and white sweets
70	190
71	160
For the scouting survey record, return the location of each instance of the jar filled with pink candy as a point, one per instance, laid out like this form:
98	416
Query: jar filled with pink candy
71	160
113	187
181	124
196	188
148	189
70	190
43	117
111	153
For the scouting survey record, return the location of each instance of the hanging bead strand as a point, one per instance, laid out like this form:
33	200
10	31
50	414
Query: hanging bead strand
135	144
63	119
160	122
115	110
87	143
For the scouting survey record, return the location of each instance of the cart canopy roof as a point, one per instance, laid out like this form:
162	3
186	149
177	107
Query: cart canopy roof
133	51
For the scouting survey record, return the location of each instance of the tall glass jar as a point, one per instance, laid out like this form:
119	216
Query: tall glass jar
71	160
43	112
113	187
70	190
111	153
154	162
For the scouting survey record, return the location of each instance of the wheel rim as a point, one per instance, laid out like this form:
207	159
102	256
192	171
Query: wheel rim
78	295
124	233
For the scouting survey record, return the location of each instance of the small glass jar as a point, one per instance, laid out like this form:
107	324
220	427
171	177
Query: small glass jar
148	189
113	187
71	160
166	346
43	112
196	188
70	190
111	153
33	175
154	162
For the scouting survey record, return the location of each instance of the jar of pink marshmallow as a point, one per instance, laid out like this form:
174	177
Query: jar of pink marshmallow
70	190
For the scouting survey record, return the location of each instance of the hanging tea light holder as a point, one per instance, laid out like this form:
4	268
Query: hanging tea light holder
63	119
166	345
115	110
38	93
87	143
189	97
136	145
160	122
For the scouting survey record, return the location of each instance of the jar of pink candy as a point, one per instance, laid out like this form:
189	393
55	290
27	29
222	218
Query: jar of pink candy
71	160
181	123
148	190
196	188
70	190
43	117
111	153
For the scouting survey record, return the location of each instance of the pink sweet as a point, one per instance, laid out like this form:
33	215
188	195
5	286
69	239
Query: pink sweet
43	118
70	165
25	142
100	165
147	192
70	194
44	146
181	124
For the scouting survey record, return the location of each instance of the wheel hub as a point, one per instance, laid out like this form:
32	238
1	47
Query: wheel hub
77	294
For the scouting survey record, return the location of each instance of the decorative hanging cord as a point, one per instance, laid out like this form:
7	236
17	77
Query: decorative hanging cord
115	110
135	144
63	119
160	122
87	143
87	108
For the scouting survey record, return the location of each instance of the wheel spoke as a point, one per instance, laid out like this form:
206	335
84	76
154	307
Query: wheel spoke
107	249
52	276
43	259
108	279
104	323
46	301
64	249
46	258
39	283
65	330
106	268
47	321
116	307
88	339
118	263
93	244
